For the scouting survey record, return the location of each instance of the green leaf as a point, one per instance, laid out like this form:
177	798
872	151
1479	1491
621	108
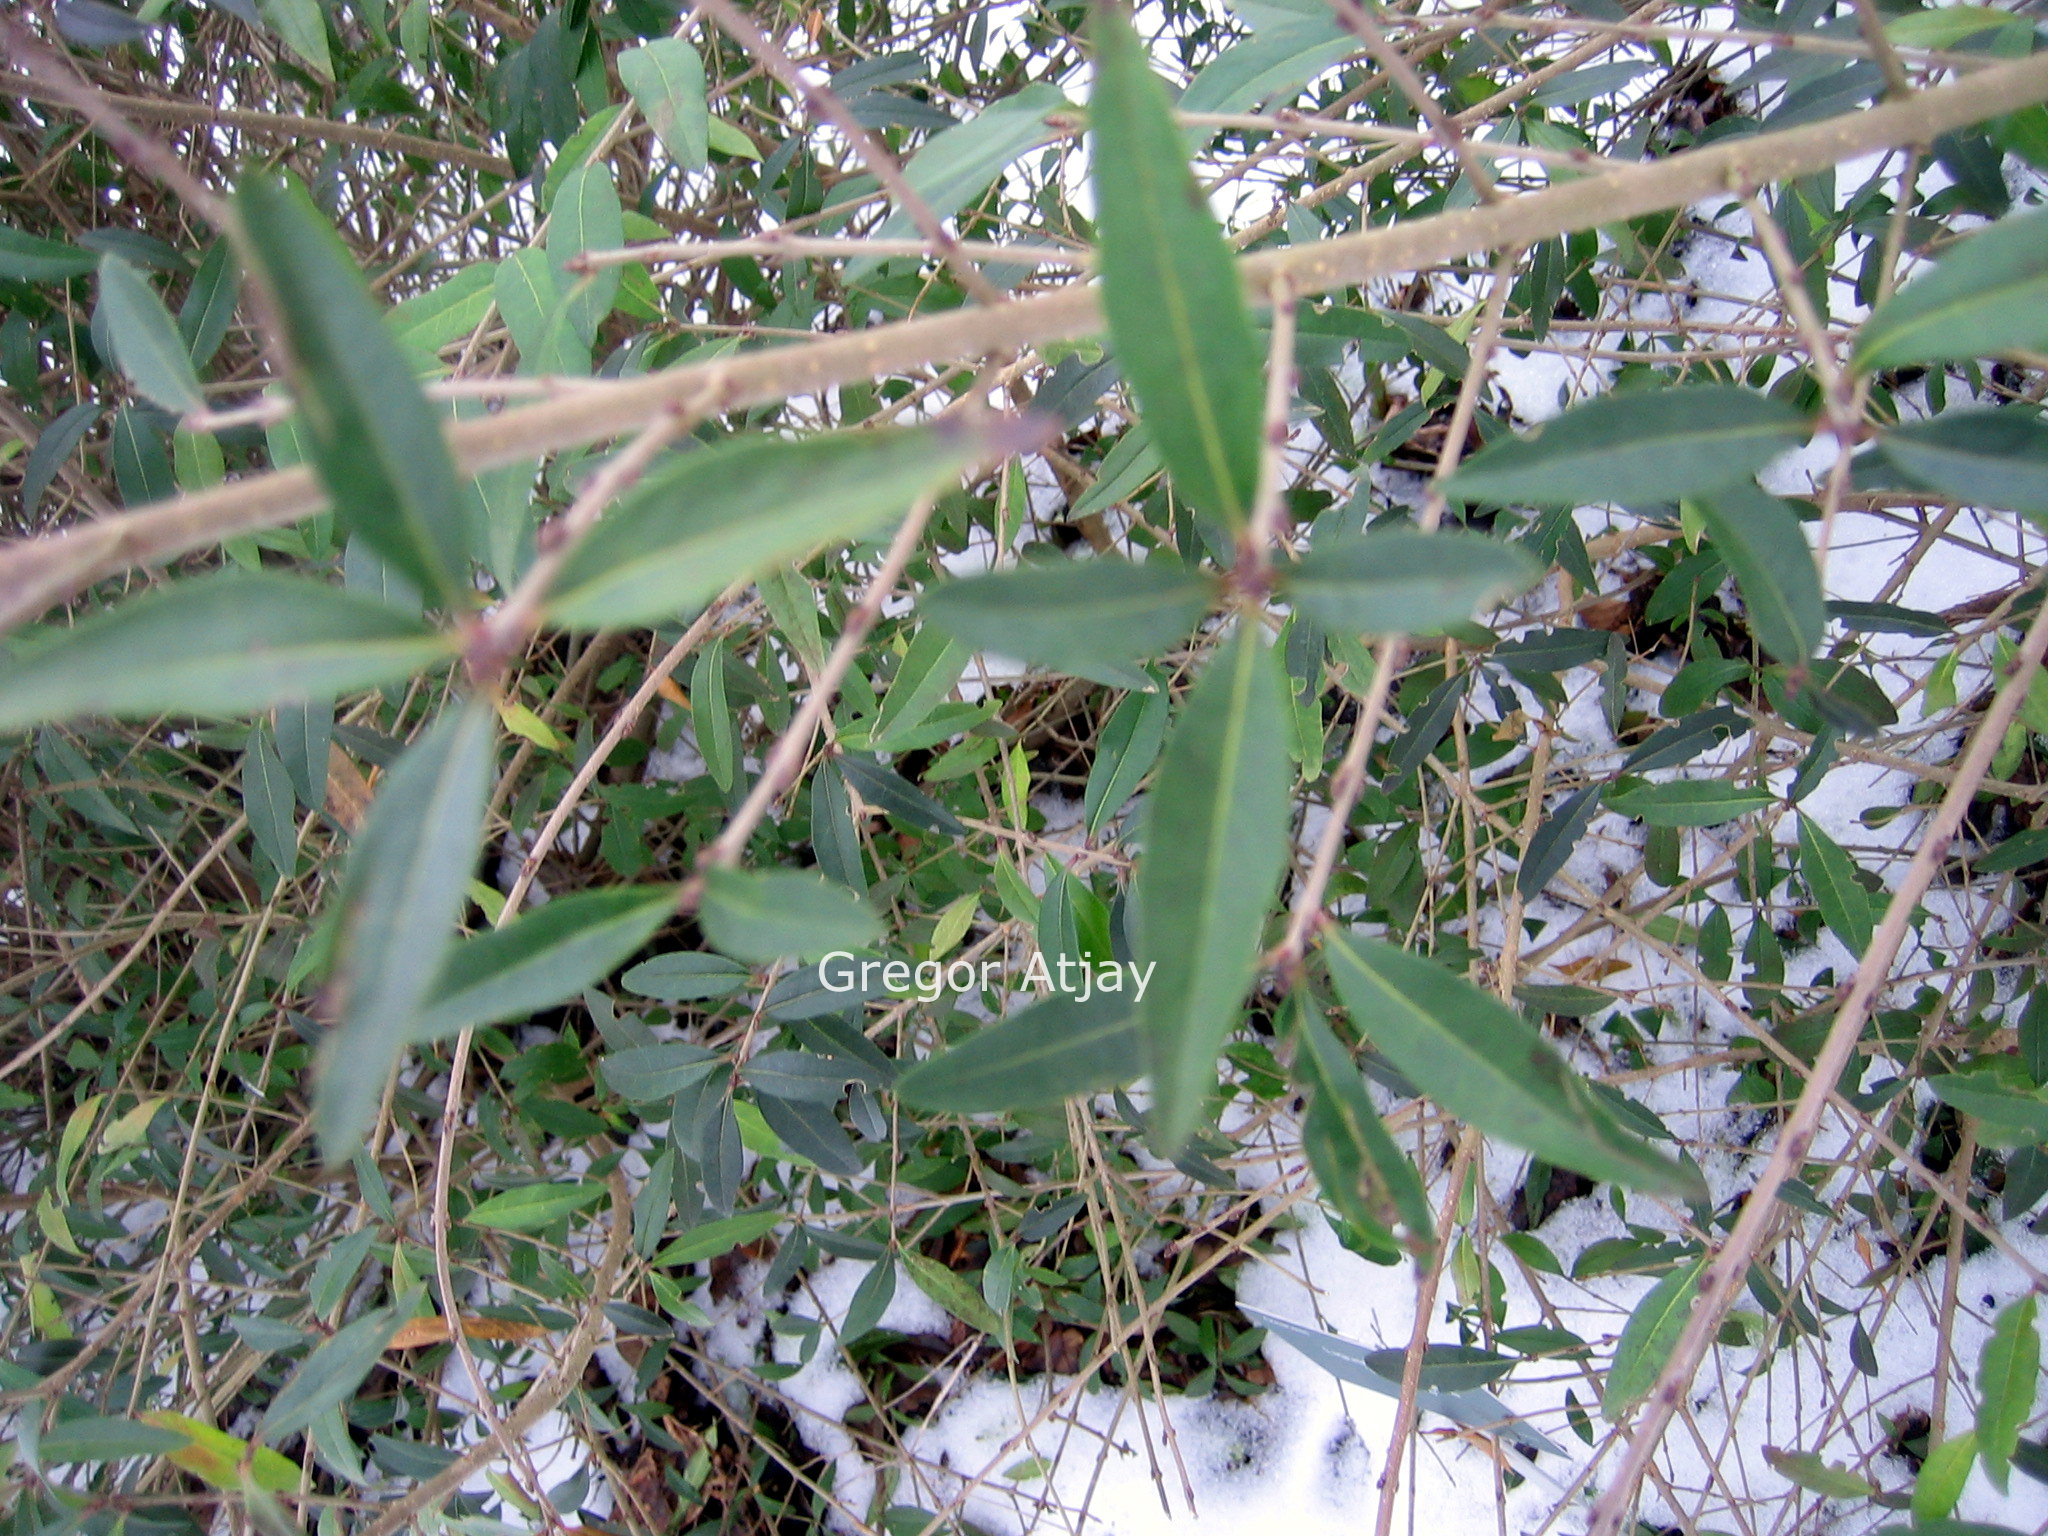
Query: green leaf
924	678
775	914
2008	1377
26	258
1985	458
448	312
1831	875
93	1438
267	801
1647	446
1124	753
952	1292
542	958
1648	1338
713	515
362	420
1476	1057
1048	1053
1942	1477
1686	802
1759	536
728	140
1950	1528
528	295
714	1239
1805	1469
407	881
209	307
712	718
1176	308
329	1376
1445	1367
646	1073
586	217
955	166
1215	844
1556	836
666	79
147	342
225	644
301	26
1361	1167
1988	295
1405	583
533	1206
685	975
2002	1110
1091	618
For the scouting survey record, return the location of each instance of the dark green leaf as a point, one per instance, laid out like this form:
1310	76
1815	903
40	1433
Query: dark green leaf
712	515
1177	315
1654	445
1445	1367
225	644
716	1238
1050	1052
647	1073
26	258
209	307
147	343
1215	844
777	914
889	792
1093	618
1402	582
1831	875
686	976
542	958
2000	1108
1555	838
1988	295
1124	754
1985	458
1473	1055
362	420
1760	538
1686	802
408	877
92	1438
924	678
267	801
1366	1169
54	445
329	1376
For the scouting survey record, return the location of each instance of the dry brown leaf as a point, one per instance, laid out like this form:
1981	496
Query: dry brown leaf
423	1331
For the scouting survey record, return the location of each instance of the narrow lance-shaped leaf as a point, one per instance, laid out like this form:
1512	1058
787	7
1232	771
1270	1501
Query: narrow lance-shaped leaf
1124	754
1041	1056
1215	843
666	79
542	958
218	645
1400	583
1988	295
330	1375
147	343
1648	1338
1831	875
1653	445
586	217
2008	1379
1473	1055
1176	308
712	515
1370	1167
406	884
1091	618
1759	536
363	422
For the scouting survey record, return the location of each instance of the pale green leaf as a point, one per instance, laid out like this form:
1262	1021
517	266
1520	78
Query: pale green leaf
1049	1052
775	914
1402	582
1648	1338
1092	618
666	78
1987	295
147	343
